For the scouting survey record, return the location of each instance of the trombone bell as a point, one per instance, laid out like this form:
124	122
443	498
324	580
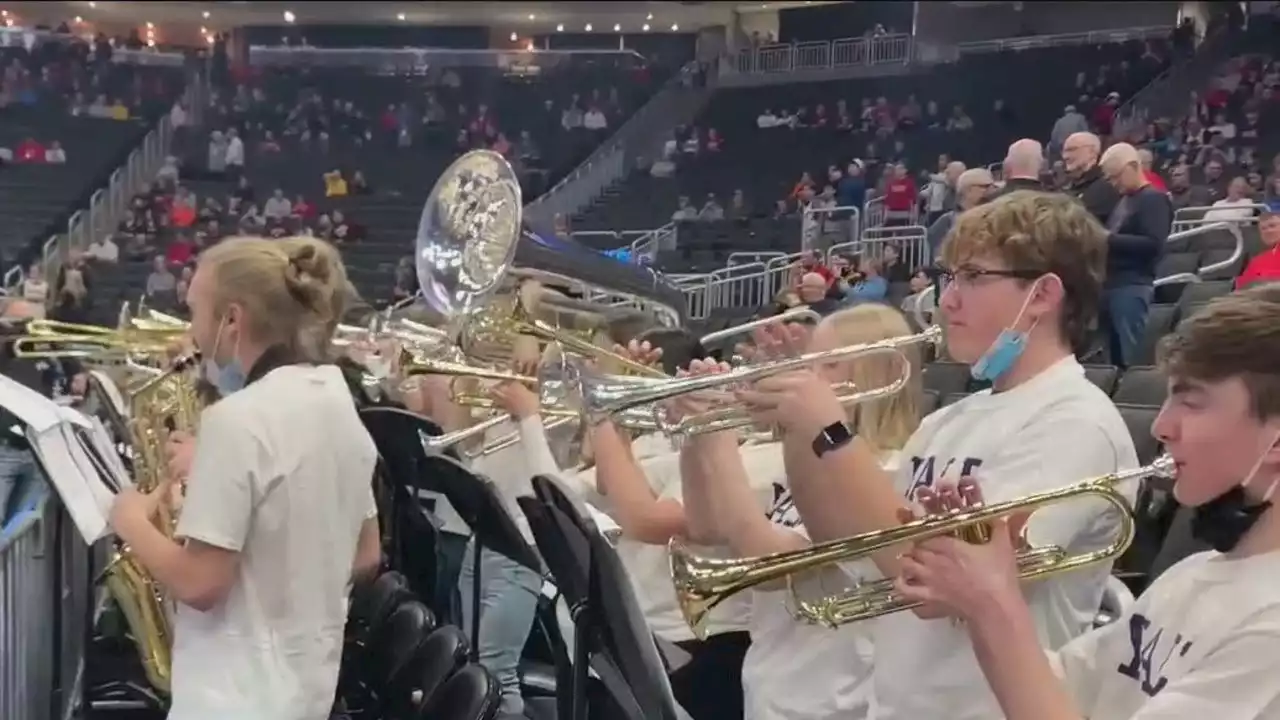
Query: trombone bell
703	583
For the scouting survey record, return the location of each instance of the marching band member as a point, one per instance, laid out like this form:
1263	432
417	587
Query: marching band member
279	512
795	671
1024	276
1201	641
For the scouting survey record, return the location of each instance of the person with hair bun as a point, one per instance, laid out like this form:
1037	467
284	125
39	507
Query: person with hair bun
279	514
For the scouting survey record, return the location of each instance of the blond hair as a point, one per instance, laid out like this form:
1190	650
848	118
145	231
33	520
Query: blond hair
884	424
1039	233
1234	336
293	288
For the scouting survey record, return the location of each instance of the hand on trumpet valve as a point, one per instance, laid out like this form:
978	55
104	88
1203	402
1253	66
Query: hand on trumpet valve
640	352
694	403
777	341
518	399
961	575
800	401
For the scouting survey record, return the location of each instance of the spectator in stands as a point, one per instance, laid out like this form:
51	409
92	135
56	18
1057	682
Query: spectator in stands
169	173
871	287
72	305
1237	206
1139	229
1022	165
1271	196
1080	154
1069	124
359	185
244	193
972	188
813	293
161	281
940	194
277	206
182	209
1153	177
900	196
55	154
684	211
345	230
1105	114
1265	267
738	208
919	283
235	154
217	156
1183	193
103	249
35	290
334	184
179	306
711	210
851	189
893	269
766	119
29	151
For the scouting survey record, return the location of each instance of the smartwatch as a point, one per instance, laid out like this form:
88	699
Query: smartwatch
832	437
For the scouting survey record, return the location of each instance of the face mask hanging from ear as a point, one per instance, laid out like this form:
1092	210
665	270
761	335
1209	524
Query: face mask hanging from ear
1007	348
227	378
1225	520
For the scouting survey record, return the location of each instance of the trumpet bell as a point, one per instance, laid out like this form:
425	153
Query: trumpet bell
467	234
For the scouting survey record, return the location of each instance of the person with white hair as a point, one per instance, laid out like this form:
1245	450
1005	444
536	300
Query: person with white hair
1138	231
1022	165
1080	154
973	186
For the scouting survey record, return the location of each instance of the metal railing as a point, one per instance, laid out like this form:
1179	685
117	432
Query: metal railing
1169	94
1205	272
900	49
46	607
817	225
821	55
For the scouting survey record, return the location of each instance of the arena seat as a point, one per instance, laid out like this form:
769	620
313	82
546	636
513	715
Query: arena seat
946	378
1159	323
1104	376
440	655
1141	386
1138	419
765	163
471	694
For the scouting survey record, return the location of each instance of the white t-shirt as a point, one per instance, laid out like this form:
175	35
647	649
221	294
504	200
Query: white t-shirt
282	475
649	566
1230	211
235	151
1200	644
797	671
1054	430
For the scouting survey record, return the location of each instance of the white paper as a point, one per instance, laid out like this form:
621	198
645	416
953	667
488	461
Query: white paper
51	431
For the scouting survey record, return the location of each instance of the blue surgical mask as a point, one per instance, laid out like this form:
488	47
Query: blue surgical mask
1224	521
227	378
1006	349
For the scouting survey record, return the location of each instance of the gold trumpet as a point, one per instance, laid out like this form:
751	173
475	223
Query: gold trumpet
603	396
703	583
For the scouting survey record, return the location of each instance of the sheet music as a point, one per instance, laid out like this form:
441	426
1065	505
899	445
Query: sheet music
50	430
108	387
91	431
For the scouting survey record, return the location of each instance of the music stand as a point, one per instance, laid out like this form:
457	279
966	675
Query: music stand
611	635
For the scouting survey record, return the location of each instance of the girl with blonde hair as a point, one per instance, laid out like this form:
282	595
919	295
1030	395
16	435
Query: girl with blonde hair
792	669
279	514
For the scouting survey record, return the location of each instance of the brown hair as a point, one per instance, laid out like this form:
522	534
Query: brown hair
1237	335
1040	233
294	288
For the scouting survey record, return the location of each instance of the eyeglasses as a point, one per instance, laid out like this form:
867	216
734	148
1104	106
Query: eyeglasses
969	276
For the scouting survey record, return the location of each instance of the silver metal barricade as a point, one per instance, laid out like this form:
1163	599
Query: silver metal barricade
739	286
911	242
47	599
1206	271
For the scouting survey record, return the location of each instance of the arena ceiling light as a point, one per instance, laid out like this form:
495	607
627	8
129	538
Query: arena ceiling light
645	27
588	27
560	27
205	14
400	17
289	16
675	27
532	16
514	37
617	27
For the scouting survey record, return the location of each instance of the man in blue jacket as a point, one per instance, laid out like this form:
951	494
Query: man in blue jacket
1139	229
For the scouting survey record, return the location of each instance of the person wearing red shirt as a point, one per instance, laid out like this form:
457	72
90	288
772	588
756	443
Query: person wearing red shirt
1152	177
29	151
900	196
1265	267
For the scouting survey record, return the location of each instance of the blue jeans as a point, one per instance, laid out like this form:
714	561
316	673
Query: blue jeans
18	474
508	603
1125	309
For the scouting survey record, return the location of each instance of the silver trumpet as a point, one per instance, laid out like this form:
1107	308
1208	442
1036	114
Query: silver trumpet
603	396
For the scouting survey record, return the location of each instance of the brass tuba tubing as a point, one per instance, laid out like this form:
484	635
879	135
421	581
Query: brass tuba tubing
703	583
604	396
